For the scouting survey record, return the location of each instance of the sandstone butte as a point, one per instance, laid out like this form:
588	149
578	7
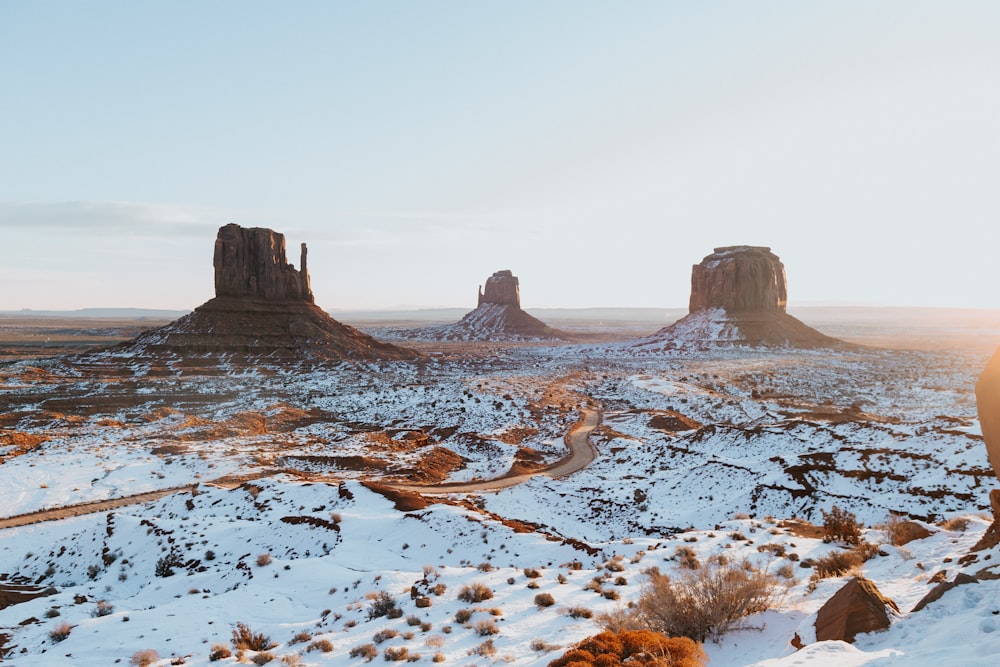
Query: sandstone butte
263	310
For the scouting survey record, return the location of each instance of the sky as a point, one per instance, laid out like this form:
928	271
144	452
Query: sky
596	148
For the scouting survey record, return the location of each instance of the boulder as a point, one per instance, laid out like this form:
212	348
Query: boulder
501	288
856	608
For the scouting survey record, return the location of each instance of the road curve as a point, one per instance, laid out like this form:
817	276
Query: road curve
581	454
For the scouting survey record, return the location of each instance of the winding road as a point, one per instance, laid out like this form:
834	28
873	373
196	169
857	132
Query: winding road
581	454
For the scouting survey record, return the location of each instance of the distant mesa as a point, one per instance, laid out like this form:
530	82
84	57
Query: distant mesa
497	318
263	307
738	298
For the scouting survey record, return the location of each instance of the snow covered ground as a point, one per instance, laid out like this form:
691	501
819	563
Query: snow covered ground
291	543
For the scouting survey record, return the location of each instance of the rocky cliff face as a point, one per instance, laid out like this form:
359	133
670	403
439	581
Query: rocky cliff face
739	279
988	403
501	288
250	262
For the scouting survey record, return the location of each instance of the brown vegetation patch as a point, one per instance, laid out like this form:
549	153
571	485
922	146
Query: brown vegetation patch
405	501
435	466
516	436
633	647
314	521
668	420
168	450
802	528
527	460
12	594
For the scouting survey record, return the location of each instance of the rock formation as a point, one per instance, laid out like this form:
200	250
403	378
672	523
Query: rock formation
739	279
501	288
497	317
856	608
263	309
988	403
738	298
251	263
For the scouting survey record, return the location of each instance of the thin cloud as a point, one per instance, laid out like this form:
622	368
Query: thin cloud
125	218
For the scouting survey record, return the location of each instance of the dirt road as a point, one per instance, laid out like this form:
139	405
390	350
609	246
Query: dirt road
581	454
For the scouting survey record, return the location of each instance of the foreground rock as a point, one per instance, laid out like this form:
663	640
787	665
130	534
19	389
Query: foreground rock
856	608
988	404
738	298
263	309
498	318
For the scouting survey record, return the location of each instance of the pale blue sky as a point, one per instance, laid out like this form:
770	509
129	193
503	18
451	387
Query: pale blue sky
597	149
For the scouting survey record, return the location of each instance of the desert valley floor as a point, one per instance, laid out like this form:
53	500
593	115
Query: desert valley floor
284	497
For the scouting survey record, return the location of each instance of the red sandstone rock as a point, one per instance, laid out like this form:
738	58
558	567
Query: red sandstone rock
251	263
501	288
740	279
988	402
856	608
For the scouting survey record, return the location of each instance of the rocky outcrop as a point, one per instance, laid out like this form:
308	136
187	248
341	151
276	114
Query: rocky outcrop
856	608
739	279
263	311
738	298
498	317
251	263
501	288
988	403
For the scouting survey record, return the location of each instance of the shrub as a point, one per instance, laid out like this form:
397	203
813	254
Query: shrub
413	620
531	573
396	654
542	646
579	612
463	615
439	588
486	649
958	524
841	526
836	564
263	560
367	651
144	658
324	645
291	660
60	632
633	647
477	592
165	566
485	567
544	600
300	637
103	608
706	603
384	635
219	652
262	658
487	627
610	594
248	640
439	657
381	605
